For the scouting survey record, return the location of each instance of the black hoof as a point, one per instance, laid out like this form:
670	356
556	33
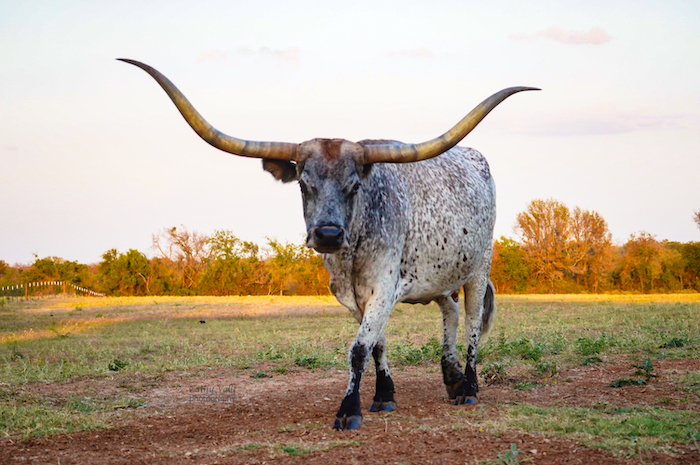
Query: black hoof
347	423
469	400
383	406
453	390
463	393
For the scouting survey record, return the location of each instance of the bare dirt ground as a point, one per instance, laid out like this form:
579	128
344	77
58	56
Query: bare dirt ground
287	418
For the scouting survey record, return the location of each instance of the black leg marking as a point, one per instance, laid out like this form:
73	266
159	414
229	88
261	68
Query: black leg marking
349	414
467	389
383	400
452	376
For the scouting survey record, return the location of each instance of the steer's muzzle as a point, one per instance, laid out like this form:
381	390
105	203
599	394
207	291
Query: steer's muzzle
327	238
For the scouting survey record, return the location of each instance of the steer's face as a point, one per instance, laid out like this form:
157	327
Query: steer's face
329	175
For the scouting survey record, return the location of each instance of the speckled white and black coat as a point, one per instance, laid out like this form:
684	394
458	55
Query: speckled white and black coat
390	230
411	232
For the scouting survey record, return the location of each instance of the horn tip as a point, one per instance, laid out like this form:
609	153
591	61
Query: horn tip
131	62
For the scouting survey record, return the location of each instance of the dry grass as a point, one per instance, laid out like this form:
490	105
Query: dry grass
612	298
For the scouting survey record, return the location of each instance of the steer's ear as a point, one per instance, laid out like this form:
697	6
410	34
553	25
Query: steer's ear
281	170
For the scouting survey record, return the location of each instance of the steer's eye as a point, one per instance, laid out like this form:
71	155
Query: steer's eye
306	189
353	190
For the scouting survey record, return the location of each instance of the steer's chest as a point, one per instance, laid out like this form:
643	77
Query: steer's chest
365	274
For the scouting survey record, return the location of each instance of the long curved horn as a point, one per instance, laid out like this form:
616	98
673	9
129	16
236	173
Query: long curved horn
416	152
246	148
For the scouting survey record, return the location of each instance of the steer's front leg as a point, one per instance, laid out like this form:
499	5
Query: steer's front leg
349	414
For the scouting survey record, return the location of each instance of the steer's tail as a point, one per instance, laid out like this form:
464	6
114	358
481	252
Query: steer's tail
489	309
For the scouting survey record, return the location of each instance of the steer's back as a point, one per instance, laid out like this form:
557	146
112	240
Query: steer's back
452	210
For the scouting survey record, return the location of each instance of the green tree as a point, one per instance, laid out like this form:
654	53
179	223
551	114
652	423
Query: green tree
690	252
57	269
640	263
233	268
295	270
509	268
125	274
8	275
673	267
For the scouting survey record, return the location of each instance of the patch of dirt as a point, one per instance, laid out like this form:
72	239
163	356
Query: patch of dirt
287	419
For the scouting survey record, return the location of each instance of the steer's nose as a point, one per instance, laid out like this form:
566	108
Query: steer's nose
328	238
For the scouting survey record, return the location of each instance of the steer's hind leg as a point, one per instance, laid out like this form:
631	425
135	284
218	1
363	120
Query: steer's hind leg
475	295
451	369
384	395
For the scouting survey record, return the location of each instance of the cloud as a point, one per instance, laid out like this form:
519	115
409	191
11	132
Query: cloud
213	54
422	53
291	55
595	36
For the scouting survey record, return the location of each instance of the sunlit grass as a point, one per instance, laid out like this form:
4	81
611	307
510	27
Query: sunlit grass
67	338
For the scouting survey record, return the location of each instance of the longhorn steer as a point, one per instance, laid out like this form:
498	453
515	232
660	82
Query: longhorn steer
395	223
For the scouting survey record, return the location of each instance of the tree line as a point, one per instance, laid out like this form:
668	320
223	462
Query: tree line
571	251
560	251
187	263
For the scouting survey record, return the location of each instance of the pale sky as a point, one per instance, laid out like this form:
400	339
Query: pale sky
93	155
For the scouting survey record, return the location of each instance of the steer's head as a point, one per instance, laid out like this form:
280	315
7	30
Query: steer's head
329	171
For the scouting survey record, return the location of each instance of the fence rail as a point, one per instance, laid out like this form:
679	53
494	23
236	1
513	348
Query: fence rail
26	287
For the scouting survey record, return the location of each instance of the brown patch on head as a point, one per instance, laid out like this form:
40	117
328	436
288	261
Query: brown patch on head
328	150
331	148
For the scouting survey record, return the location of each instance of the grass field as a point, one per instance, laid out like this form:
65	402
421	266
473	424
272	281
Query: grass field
52	341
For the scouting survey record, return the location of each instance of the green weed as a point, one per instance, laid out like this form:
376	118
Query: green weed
116	365
674	343
590	360
525	385
643	376
508	456
249	446
307	362
622	382
407	353
294	451
585	346
547	369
